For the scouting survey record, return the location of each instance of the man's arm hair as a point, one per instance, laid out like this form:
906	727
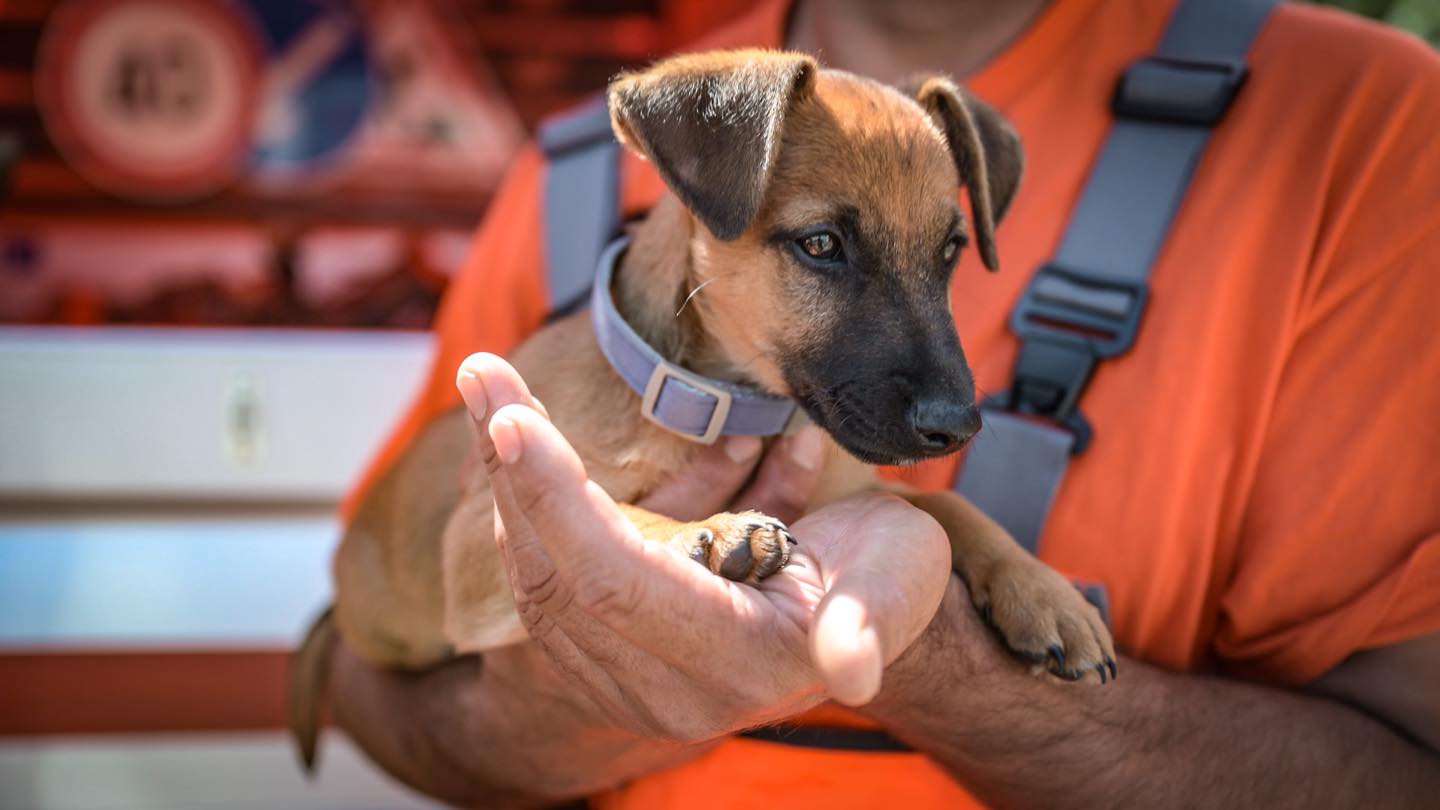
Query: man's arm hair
1152	739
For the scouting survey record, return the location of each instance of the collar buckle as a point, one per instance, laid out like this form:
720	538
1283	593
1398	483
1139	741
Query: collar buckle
665	371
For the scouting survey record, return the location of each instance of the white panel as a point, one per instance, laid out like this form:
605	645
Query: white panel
190	772
209	581
198	414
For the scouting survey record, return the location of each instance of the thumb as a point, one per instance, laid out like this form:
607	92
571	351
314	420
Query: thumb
545	496
881	592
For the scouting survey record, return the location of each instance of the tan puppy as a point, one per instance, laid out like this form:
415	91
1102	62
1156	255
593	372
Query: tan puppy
818	212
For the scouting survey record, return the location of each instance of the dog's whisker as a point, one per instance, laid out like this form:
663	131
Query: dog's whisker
696	291
745	365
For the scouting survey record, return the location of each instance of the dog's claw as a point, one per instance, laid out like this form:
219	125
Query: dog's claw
1114	669
1043	620
1058	653
704	539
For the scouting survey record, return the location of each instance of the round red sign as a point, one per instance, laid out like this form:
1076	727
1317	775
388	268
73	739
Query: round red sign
151	99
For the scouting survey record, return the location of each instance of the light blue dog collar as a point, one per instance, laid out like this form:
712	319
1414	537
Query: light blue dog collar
693	407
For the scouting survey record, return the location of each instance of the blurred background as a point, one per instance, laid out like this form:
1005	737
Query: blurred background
224	228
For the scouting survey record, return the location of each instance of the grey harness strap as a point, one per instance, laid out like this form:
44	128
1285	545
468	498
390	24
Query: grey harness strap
582	200
1085	305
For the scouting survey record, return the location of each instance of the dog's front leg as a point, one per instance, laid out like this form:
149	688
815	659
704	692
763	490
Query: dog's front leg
1039	615
479	606
744	546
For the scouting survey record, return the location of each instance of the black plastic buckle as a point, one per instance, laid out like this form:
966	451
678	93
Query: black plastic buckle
1181	91
1101	312
1067	321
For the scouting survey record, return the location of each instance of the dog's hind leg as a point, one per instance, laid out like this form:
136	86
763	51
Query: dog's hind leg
1039	615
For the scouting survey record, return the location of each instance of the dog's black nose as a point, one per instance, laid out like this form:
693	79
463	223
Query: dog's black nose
943	425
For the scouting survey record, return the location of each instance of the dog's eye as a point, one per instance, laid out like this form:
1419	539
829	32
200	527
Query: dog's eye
952	248
823	246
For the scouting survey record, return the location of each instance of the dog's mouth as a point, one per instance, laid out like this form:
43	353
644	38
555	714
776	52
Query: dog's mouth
856	428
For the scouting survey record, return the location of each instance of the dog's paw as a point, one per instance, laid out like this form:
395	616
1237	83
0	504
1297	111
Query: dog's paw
1045	621
744	547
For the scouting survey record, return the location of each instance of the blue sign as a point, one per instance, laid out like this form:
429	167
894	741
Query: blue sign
318	82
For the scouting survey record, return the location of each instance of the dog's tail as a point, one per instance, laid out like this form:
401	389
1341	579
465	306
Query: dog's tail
309	673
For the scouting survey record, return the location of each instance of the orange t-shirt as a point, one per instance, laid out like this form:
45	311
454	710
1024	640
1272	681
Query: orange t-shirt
1263	492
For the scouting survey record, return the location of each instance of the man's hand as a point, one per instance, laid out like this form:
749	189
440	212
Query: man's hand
637	642
659	645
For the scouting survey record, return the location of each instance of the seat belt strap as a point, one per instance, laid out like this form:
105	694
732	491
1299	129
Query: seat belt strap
582	200
1085	305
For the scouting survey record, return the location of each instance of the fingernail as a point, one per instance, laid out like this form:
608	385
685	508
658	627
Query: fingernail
807	447
506	436
742	448
472	390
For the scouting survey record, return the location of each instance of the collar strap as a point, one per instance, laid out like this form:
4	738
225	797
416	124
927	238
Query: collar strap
693	407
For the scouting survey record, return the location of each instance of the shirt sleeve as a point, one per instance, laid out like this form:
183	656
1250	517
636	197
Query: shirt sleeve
495	301
1340	547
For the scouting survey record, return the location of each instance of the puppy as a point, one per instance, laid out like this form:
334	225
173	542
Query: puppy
815	212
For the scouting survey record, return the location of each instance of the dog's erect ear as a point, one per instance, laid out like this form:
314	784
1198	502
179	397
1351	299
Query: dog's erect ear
711	124
986	148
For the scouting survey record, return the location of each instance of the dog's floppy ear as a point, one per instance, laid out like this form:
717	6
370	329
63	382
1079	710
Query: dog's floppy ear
986	148
712	125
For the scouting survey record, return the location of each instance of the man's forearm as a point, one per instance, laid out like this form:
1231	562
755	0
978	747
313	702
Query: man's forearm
503	731
1154	739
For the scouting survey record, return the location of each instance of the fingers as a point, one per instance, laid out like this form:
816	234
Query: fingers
562	531
710	482
645	592
573	554
487	382
886	565
537	480
544	497
552	484
788	476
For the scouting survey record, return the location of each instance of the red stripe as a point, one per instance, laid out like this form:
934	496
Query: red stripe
122	692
